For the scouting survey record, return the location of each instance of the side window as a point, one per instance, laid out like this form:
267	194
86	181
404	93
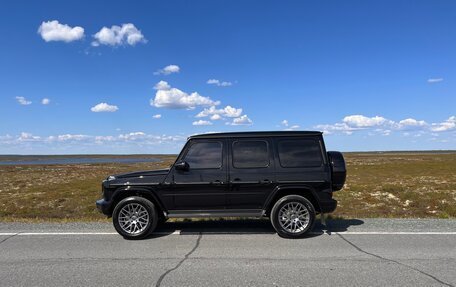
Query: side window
250	154
204	155
299	153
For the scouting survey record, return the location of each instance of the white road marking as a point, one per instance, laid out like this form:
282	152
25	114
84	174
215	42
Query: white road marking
65	233
395	233
73	233
179	232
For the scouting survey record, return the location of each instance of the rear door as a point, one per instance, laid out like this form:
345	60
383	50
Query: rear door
251	172
302	160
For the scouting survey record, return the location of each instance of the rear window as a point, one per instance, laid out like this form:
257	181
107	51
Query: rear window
299	153
250	154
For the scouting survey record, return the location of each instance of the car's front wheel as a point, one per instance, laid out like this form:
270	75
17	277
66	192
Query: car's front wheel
293	216
135	217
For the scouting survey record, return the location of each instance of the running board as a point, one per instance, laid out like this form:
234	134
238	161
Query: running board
215	213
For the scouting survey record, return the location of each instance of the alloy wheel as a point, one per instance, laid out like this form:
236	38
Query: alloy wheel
294	217
133	218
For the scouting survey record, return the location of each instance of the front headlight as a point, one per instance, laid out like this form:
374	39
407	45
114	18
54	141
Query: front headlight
111	177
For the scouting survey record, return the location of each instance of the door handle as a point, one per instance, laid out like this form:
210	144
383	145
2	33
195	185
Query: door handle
217	182
265	181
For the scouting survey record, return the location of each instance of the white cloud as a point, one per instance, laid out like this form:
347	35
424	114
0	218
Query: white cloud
361	121
242	120
434	80
23	101
228	111
127	34
231	112
383	126
157	116
287	126
69	137
80	143
412	123
104	107
219	83
170	69
172	98
45	101
162	85
7	139
139	137
25	137
337	127
215	117
379	131
447	125
102	139
54	31
213	82
386	132
292	128
201	123
353	123
132	136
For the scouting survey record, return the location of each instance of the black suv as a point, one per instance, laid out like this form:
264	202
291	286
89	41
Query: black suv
286	176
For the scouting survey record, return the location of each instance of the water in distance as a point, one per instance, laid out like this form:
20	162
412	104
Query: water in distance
45	160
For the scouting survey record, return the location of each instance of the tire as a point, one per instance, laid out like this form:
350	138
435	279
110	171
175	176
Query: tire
135	217
293	216
162	220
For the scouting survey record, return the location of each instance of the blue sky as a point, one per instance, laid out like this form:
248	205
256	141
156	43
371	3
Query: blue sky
140	77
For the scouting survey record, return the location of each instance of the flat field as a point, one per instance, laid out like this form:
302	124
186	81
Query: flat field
393	185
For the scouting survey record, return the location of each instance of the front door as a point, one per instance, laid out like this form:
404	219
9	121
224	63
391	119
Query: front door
203	186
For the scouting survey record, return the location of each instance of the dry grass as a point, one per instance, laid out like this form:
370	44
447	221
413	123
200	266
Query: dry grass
414	185
58	192
378	185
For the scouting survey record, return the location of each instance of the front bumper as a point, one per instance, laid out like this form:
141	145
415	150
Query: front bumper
104	206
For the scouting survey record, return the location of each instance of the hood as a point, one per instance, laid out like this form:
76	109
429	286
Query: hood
145	173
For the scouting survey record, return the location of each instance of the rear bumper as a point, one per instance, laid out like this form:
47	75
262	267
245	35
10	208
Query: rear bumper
104	206
328	206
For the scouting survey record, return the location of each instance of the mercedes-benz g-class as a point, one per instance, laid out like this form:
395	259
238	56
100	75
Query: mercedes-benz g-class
286	176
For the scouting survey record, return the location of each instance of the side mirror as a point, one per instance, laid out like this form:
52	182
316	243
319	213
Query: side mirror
182	165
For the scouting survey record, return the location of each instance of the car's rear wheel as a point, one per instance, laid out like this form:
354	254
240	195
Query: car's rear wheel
293	216
135	217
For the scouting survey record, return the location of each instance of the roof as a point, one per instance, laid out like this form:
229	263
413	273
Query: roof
256	134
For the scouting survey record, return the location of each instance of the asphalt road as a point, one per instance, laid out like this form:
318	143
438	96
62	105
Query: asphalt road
231	253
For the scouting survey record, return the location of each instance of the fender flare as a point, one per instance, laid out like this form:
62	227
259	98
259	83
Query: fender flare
280	188
140	189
